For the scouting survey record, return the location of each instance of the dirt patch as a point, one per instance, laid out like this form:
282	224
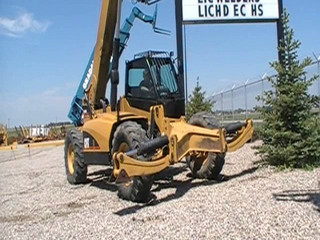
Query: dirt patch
15	219
75	205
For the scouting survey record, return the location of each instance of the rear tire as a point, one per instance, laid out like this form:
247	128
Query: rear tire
76	169
129	135
210	166
205	120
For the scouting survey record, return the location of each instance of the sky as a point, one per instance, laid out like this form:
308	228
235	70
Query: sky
45	47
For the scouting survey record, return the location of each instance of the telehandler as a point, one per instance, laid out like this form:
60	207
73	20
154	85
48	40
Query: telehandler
145	131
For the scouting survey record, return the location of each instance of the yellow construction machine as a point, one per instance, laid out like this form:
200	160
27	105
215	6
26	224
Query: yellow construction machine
145	131
56	133
3	136
23	135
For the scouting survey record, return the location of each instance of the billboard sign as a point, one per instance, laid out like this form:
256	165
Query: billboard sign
206	11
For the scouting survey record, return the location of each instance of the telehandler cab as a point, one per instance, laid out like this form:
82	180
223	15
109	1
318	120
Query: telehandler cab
145	131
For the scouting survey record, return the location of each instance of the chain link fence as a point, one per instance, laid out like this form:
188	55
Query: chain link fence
239	102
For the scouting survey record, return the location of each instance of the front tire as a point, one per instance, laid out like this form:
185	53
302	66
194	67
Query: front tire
209	166
129	135
76	169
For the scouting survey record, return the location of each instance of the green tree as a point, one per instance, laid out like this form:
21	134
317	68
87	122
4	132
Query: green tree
290	132
198	102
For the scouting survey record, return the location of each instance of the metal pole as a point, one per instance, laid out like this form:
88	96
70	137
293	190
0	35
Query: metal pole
222	106
115	61
179	42
318	67
280	32
318	63
213	99
232	102
262	93
262	90
245	98
185	60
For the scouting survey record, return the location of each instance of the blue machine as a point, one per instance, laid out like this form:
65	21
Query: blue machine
76	109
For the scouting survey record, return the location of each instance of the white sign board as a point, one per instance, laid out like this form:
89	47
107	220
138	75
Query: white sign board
230	10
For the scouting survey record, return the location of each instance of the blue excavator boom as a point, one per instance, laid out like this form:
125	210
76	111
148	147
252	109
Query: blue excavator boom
76	109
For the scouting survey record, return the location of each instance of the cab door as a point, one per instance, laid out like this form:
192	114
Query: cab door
140	88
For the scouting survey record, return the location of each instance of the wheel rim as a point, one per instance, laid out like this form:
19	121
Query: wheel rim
198	162
70	159
205	159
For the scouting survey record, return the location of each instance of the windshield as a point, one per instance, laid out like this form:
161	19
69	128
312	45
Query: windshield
164	76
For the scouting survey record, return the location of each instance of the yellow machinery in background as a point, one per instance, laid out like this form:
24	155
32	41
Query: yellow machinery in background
145	131
57	133
23	135
3	136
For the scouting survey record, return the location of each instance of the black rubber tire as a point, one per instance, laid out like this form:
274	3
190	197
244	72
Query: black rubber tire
204	119
211	166
132	134
208	168
74	140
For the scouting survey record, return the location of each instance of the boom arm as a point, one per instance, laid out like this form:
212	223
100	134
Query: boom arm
102	52
76	105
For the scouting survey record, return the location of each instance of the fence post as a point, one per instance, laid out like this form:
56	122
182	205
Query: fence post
232	101
262	103
318	63
245	97
213	101
222	106
318	67
264	77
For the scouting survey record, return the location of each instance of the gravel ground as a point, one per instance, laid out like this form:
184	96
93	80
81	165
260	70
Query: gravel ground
36	202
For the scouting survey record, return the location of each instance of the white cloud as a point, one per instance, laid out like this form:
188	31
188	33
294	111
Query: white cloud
51	92
21	25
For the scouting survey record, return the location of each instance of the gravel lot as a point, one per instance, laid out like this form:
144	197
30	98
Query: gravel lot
36	202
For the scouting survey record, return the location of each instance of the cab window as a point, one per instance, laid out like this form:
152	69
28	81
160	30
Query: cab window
140	83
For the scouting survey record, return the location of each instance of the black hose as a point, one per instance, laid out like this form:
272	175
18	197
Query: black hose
149	146
234	127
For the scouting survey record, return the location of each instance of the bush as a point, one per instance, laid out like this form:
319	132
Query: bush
198	103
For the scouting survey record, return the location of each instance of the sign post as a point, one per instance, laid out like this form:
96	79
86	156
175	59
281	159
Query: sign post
280	31
179	38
